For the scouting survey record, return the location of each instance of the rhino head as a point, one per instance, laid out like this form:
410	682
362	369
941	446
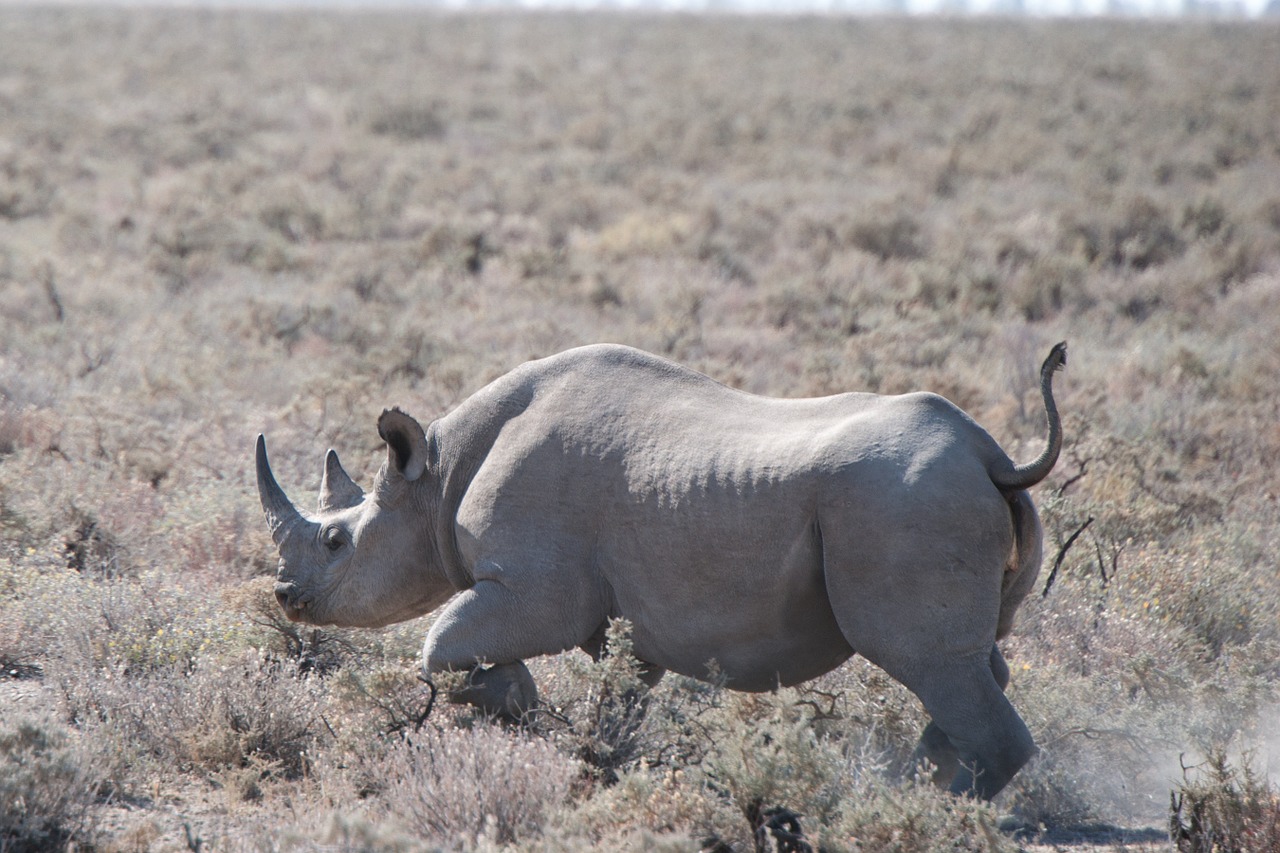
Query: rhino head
361	560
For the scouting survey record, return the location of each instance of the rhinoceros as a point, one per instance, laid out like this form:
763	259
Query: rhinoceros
769	539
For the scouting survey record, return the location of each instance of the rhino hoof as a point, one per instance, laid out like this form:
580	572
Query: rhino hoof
503	690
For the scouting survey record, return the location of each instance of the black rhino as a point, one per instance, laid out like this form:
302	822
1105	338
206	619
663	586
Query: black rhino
776	537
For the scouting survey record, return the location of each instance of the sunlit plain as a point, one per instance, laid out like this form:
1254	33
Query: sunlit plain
215	224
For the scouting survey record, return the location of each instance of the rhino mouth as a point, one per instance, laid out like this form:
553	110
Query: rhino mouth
291	602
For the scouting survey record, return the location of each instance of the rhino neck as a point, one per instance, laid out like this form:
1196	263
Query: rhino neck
442	492
458	445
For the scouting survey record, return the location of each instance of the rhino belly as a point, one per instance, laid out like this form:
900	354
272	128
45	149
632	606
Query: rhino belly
752	607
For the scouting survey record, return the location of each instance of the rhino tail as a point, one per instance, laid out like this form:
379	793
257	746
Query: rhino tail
1024	563
1009	477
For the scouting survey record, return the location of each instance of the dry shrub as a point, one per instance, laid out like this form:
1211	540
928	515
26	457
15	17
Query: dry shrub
312	649
898	236
384	698
601	712
768	754
913	818
90	546
18	654
861	705
209	531
21	645
335	831
675	802
24	427
130	626
230	712
645	234
1214	590
711	764
156	667
606	717
1224	808
47	785
1154	636
787	750
462	786
408	122
1107	703
1048	285
1144	236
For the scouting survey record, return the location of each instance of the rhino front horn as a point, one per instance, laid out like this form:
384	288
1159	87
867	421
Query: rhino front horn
337	489
282	515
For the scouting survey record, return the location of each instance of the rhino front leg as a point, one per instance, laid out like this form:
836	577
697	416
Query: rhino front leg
487	632
504	690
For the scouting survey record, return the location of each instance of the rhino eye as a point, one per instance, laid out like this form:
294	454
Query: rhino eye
333	539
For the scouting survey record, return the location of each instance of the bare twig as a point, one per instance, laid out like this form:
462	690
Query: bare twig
1083	465
421	718
1062	555
51	291
1090	733
819	712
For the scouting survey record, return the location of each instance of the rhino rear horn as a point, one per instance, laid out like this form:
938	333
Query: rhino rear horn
282	515
407	451
337	489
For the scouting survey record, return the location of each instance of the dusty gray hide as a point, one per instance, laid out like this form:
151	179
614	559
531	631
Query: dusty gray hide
774	537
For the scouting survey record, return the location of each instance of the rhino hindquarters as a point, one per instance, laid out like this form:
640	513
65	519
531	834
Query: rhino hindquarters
915	584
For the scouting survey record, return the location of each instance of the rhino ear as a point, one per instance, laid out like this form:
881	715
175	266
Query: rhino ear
407	450
337	489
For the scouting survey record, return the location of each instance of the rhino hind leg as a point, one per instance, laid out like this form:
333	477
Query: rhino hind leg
924	608
937	747
988	741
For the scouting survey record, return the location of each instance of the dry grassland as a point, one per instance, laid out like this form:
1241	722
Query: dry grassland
216	224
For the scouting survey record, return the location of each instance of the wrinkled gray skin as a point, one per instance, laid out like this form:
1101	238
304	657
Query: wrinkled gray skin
773	537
